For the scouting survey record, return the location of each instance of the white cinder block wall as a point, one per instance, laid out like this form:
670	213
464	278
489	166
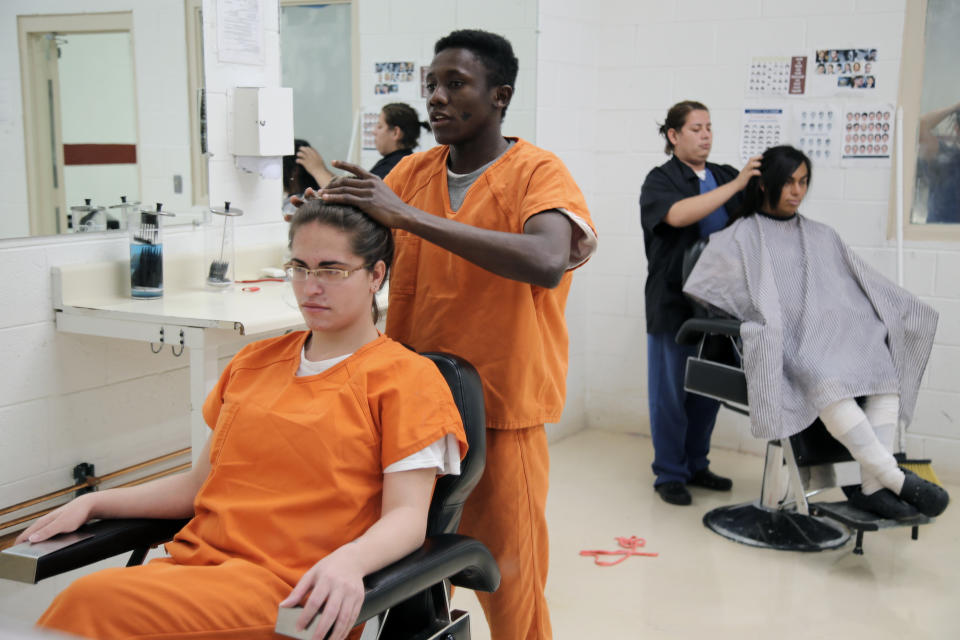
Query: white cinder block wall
608	73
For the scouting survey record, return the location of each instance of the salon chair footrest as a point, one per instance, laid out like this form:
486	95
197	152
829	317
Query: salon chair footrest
752	524
854	518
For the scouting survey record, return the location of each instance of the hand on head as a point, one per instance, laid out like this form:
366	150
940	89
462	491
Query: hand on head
367	192
751	169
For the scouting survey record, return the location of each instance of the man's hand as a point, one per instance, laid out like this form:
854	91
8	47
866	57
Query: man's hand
368	193
335	585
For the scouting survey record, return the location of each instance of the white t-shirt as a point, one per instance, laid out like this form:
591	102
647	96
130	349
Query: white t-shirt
444	454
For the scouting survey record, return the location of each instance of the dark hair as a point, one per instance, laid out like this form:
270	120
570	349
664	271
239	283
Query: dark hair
676	118
296	179
494	51
776	167
368	238
399	114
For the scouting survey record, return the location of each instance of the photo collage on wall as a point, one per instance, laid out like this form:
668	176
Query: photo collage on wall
847	68
392	76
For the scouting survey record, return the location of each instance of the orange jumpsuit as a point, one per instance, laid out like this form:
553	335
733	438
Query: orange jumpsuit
296	472
515	335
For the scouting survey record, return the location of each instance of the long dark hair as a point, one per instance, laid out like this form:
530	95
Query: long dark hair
368	238
296	179
676	118
400	114
776	167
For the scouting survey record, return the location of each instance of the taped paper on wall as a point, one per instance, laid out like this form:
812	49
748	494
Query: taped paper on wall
763	127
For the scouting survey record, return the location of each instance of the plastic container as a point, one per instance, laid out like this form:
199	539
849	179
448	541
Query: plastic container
145	229
87	217
219	248
119	214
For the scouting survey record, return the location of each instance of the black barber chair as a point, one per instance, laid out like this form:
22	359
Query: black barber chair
795	469
408	599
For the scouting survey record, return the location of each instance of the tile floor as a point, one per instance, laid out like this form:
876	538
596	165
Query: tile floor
701	585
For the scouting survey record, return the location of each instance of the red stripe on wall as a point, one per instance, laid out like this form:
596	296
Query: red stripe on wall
99	154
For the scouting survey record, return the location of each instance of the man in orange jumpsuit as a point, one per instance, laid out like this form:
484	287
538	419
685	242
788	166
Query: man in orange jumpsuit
487	230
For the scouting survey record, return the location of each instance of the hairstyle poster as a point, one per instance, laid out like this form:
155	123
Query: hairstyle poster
368	124
763	127
868	131
844	72
817	130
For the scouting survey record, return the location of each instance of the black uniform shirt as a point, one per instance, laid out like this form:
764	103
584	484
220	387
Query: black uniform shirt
388	162
666	306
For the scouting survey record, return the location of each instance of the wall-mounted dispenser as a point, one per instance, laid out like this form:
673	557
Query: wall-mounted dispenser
262	129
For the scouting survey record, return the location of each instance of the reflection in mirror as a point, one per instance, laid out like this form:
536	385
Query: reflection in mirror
937	194
91	129
99	104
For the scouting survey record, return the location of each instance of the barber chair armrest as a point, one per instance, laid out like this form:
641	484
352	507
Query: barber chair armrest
464	561
694	329
109	538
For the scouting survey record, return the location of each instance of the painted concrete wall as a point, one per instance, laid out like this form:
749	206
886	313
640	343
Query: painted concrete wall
606	79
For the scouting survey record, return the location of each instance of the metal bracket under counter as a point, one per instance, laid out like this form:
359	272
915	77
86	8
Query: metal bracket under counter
94	299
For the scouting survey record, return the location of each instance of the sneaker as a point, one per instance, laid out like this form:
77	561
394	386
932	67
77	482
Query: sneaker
674	493
884	503
709	480
930	499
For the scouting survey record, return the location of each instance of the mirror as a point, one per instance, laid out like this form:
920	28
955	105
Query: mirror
937	193
100	105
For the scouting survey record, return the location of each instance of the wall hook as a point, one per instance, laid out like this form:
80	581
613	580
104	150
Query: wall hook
160	347
173	348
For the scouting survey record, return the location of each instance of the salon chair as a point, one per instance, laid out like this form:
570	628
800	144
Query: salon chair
405	600
795	468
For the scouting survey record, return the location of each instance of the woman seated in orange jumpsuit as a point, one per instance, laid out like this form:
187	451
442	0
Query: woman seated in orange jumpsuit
320	468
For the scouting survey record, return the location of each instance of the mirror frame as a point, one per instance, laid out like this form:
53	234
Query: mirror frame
910	93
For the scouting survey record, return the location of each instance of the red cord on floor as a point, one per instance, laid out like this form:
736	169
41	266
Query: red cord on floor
628	548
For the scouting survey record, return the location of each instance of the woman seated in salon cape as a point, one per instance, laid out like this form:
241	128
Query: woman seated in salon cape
820	329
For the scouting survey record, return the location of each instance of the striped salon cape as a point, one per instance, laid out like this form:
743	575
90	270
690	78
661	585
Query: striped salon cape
790	380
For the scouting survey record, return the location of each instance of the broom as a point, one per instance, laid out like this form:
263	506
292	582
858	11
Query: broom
922	467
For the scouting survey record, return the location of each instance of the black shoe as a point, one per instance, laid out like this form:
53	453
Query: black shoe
709	480
674	493
930	499
884	503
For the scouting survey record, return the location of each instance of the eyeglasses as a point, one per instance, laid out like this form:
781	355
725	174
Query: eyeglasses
326	275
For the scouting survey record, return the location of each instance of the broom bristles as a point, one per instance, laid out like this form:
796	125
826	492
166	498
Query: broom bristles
923	468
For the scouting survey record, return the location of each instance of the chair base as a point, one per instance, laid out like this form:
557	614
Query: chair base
752	524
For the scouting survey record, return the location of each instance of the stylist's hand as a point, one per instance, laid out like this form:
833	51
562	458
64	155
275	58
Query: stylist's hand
63	519
752	168
335	584
313	162
368	193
